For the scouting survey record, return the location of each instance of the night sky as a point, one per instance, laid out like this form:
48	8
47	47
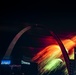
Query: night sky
59	18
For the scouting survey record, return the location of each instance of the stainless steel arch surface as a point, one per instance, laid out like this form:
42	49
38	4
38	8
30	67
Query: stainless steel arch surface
12	44
14	41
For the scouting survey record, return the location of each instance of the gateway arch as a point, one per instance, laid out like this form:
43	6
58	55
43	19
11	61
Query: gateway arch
16	38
